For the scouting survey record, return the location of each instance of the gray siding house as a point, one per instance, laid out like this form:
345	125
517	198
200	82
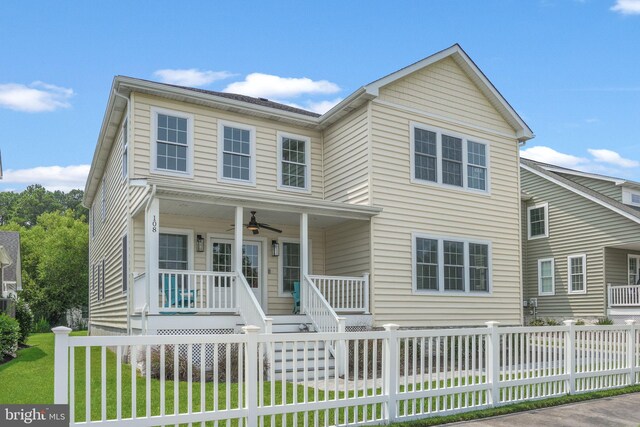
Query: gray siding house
10	271
581	251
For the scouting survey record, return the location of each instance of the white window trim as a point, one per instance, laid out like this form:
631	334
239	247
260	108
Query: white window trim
125	149
307	160
553	276
627	196
637	258
467	292
546	221
282	240
252	153
584	274
185	232
154	143
465	157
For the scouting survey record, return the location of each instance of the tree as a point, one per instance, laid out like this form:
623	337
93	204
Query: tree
8	200
55	264
33	202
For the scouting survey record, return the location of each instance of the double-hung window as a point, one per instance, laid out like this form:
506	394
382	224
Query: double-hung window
443	158
173	251
294	153
451	265
236	153
538	221
172	143
546	277
577	272
290	265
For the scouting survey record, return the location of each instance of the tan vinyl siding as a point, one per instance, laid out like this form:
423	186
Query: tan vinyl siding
346	159
276	304
138	240
444	89
348	249
608	188
436	210
205	136
576	226
111	311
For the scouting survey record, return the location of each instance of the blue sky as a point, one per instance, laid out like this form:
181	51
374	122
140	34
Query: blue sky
569	67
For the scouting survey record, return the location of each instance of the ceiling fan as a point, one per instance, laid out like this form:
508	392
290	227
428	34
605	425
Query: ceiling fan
255	226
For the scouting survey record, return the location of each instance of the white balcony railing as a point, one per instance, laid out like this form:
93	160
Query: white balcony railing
623	295
344	294
196	291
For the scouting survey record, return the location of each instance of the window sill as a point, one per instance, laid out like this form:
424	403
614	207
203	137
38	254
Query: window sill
175	174
542	236
426	183
452	293
223	180
294	189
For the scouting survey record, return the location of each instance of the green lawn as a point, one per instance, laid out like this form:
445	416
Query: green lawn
29	379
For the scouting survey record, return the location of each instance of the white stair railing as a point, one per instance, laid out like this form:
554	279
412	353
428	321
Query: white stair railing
345	294
323	318
248	306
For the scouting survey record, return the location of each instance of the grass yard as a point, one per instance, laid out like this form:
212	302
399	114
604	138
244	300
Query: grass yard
29	379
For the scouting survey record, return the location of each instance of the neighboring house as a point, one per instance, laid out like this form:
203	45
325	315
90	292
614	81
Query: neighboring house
581	234
10	270
400	204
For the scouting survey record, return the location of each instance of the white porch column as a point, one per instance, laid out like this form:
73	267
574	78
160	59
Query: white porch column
152	253
237	248
304	255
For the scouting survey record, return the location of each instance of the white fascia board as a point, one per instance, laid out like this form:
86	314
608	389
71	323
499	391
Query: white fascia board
132	84
523	132
583	194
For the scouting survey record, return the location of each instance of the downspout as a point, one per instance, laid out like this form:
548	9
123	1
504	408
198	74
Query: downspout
128	206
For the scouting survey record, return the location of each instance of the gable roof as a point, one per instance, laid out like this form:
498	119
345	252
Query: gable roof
10	241
261	107
541	170
463	60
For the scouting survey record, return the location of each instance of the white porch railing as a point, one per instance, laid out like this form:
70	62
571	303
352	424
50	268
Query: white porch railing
8	289
344	294
323	317
196	291
391	375
623	295
249	307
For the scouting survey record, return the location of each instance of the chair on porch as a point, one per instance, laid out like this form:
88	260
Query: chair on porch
296	297
176	297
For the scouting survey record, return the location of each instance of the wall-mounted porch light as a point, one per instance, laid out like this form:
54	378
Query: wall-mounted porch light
275	248
200	243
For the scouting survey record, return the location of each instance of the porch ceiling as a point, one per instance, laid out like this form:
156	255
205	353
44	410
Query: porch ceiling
632	246
226	212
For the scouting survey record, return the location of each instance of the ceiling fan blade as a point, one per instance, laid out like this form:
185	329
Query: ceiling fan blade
266	227
231	229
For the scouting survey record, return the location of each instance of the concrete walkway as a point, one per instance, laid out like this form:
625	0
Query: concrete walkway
615	411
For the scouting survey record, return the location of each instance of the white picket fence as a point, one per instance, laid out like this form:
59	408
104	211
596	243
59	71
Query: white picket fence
390	375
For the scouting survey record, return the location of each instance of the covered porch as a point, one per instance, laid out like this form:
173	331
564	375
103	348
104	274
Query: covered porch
199	259
622	276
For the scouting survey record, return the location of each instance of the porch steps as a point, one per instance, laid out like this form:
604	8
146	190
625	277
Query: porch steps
296	362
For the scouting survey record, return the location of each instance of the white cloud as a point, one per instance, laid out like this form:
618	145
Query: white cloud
612	158
319	107
35	98
627	7
53	178
322	107
270	86
549	155
191	76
